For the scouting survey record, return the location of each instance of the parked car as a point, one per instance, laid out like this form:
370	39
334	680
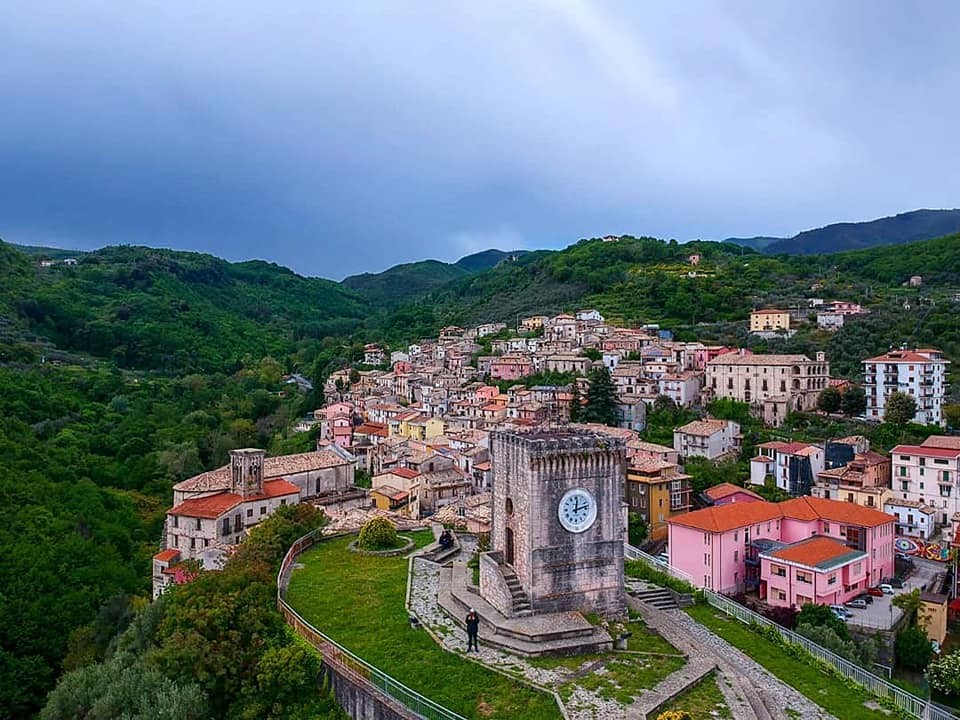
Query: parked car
840	610
875	592
885	588
866	597
892	582
858	603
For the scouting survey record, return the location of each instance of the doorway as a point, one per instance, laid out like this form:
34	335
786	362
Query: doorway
508	550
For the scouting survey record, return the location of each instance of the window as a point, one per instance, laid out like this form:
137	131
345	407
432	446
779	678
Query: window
198	524
284	501
858	567
226	526
706	538
826	527
904	484
174	521
781	595
804	577
263	509
778	570
249	512
736	556
706	558
903	471
193	543
832	579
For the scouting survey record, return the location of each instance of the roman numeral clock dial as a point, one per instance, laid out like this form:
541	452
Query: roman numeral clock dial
577	510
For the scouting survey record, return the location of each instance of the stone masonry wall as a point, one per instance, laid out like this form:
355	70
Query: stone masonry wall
493	588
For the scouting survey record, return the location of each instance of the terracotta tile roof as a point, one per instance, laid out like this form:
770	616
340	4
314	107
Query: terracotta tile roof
728	517
404	473
371	428
167	555
810	508
702	427
273	467
210	507
736	359
390	492
718	492
902	356
926	451
213	506
770	311
951	442
734	515
817	552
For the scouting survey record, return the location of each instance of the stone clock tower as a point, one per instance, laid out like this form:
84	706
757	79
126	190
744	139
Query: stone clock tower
556	534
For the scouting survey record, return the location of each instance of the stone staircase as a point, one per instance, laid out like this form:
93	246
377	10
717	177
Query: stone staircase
521	603
660	598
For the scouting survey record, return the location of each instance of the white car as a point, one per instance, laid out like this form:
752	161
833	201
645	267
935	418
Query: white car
887	589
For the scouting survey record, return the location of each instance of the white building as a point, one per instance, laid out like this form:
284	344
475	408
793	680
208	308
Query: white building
920	373
712	439
914	519
589	314
929	474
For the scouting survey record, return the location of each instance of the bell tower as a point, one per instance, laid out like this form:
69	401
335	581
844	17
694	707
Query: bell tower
246	471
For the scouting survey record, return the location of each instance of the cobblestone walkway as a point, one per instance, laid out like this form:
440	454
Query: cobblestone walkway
751	692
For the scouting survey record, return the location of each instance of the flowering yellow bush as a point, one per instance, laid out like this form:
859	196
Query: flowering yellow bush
675	715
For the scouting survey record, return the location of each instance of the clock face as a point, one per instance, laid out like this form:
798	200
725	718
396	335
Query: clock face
577	510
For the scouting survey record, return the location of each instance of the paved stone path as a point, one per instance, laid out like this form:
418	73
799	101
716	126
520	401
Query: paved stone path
751	692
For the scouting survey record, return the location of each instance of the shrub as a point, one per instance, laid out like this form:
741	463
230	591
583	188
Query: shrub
378	534
675	715
913	649
943	674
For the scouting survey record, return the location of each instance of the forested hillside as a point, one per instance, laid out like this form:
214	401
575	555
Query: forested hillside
173	311
400	283
163	361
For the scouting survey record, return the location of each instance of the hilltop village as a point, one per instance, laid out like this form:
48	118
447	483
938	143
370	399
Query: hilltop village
409	438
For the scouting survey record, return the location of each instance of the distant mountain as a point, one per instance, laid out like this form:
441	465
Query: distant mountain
39	251
409	281
487	259
755	243
903	228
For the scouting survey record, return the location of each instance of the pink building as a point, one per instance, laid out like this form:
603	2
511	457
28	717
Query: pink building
819	570
487	392
723	547
703	355
510	367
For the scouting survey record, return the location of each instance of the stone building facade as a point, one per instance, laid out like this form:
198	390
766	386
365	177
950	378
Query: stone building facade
558	569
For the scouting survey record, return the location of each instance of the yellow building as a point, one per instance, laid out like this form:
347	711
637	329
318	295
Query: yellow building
421	427
656	491
770	320
932	615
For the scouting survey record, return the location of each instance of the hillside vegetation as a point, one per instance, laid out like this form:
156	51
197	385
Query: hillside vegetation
411	280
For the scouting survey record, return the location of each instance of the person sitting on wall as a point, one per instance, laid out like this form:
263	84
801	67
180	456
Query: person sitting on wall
446	540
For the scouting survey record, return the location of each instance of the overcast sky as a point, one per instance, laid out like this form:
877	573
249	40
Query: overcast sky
341	137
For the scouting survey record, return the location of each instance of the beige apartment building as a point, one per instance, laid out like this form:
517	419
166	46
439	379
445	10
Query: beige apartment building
773	385
770	320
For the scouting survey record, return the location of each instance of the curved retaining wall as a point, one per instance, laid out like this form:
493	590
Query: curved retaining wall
363	691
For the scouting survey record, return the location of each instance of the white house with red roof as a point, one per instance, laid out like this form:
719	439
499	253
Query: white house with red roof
929	475
920	373
205	526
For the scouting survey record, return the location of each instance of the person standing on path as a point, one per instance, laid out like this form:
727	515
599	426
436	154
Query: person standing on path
473	627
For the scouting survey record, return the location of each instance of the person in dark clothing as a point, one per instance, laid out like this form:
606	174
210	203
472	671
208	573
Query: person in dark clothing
473	627
446	540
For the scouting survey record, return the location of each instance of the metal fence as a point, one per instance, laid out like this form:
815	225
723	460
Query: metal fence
335	654
916	706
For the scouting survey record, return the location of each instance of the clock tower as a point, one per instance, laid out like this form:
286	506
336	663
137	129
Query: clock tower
557	525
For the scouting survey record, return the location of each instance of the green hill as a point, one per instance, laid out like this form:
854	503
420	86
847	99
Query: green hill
175	311
409	281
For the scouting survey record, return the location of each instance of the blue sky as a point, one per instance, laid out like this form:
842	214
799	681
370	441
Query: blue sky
341	137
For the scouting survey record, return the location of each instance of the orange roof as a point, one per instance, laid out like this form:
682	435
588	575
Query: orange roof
213	506
210	507
718	492
769	311
728	517
404	473
812	508
819	552
167	555
734	515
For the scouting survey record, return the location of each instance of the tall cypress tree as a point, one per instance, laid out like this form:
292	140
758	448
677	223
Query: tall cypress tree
601	406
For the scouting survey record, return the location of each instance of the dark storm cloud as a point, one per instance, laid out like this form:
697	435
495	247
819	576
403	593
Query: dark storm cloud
342	137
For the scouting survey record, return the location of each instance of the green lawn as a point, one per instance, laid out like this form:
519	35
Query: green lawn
358	601
702	700
825	690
